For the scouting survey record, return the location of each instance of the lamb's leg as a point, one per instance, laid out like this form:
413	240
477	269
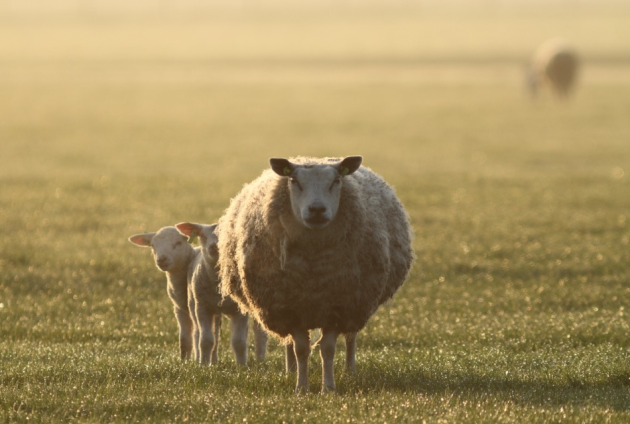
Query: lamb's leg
351	350
207	341
260	341
216	332
185	325
327	345
290	361
238	327
196	354
302	349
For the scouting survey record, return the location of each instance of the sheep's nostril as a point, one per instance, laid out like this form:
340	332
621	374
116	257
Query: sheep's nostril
317	209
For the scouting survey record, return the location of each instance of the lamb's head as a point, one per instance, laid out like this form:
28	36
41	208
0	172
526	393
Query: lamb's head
207	238
169	247
315	189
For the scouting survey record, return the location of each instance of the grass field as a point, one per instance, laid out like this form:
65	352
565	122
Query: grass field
114	122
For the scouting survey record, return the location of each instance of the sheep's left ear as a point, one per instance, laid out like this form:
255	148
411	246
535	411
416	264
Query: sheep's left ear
281	166
190	230
143	240
349	165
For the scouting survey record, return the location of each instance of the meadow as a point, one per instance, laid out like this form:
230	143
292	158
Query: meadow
116	121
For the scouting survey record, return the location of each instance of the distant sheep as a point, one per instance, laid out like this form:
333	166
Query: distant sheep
314	243
184	264
554	64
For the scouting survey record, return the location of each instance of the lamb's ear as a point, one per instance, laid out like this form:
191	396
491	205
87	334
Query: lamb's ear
349	165
142	239
281	166
190	230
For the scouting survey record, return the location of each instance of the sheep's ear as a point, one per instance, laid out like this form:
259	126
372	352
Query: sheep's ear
281	166
190	230
349	165
142	239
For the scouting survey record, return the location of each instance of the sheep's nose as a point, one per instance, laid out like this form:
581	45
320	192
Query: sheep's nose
161	261
317	209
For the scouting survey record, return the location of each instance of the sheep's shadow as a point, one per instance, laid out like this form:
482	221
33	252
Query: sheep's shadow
611	393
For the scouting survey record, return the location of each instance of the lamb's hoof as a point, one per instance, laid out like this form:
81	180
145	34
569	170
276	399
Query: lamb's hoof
301	390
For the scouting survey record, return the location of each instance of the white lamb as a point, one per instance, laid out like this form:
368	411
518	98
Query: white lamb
184	266
554	64
314	243
208	304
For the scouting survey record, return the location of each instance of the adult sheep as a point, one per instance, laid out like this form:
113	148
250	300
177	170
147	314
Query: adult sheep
314	243
554	64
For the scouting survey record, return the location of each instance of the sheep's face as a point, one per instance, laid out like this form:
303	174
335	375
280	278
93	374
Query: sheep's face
315	189
170	249
207	238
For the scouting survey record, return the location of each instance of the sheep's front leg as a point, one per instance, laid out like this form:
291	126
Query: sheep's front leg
260	341
207	341
290	361
185	324
327	346
216	330
351	350
302	350
238	326
196	354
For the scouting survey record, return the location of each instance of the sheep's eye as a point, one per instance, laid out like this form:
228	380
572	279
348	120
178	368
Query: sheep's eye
179	243
335	182
296	183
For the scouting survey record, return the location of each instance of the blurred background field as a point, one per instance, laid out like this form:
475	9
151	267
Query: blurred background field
117	118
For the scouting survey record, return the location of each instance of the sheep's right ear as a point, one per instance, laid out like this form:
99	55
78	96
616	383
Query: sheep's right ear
143	240
281	166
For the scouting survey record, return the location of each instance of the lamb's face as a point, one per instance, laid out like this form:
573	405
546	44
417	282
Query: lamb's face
315	190
208	239
170	250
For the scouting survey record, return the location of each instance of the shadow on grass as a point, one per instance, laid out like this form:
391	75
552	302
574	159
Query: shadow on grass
609	393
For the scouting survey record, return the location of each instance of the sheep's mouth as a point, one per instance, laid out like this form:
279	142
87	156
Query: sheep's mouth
316	222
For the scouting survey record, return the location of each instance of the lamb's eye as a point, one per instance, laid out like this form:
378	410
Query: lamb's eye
179	243
335	182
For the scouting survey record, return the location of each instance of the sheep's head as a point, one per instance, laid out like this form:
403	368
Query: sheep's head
207	238
169	247
315	188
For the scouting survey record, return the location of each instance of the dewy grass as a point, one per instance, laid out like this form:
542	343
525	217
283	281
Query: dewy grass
516	309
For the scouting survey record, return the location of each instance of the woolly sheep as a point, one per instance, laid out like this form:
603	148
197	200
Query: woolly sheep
182	264
554	64
314	243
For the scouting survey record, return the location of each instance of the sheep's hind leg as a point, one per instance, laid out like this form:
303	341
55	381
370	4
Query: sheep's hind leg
302	349
290	361
238	327
260	341
216	331
327	345
351	350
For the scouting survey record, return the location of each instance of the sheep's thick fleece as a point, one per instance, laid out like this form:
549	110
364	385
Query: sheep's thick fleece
291	277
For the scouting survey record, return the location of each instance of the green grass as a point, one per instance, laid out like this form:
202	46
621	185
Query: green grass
516	309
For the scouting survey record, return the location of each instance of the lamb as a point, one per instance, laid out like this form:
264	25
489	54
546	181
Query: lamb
208	305
185	265
314	243
554	64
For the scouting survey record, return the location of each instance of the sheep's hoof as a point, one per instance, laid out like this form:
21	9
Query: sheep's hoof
328	389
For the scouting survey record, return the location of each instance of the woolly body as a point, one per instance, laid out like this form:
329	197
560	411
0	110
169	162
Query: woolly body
295	278
556	65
